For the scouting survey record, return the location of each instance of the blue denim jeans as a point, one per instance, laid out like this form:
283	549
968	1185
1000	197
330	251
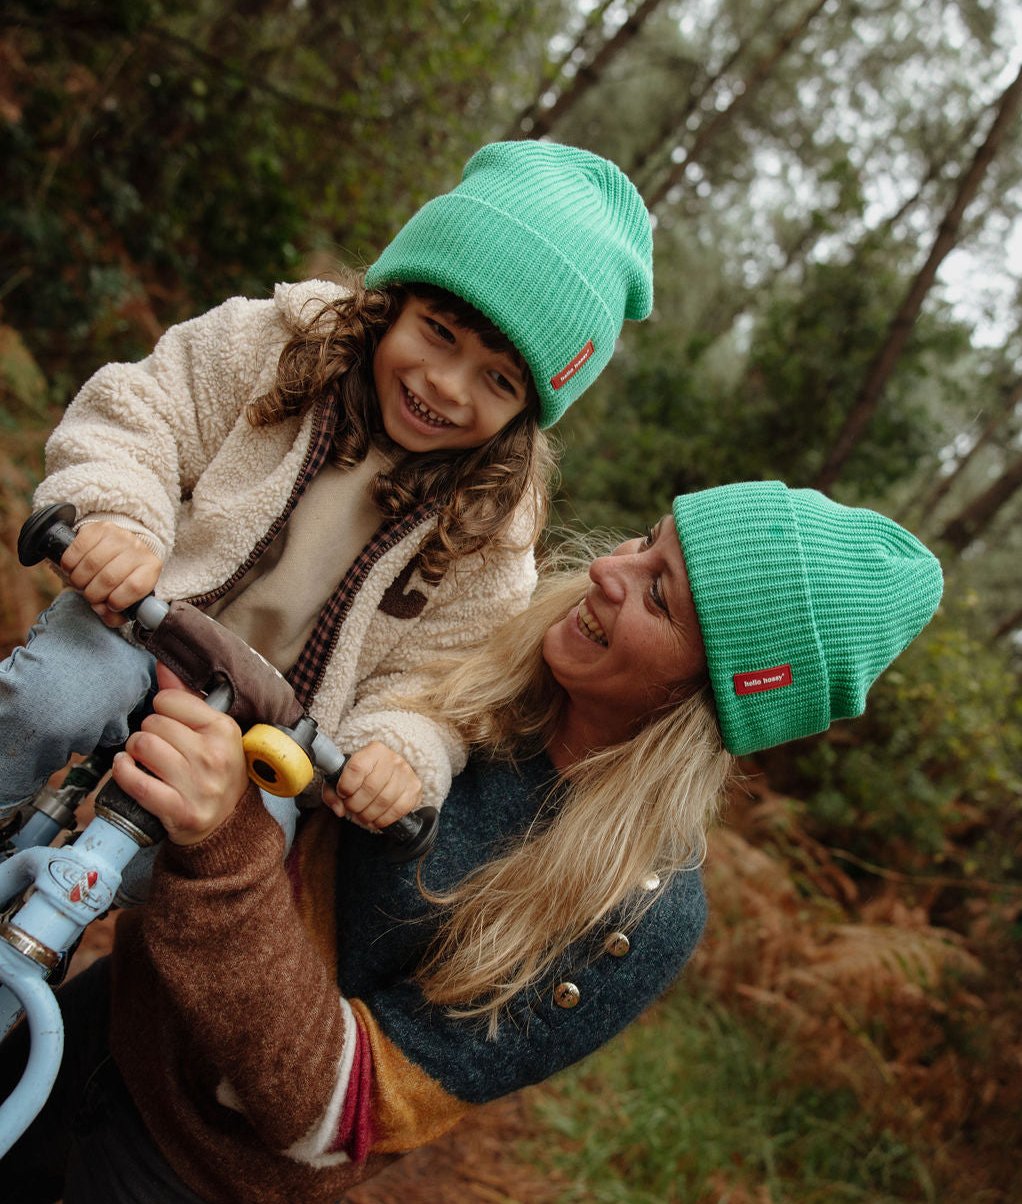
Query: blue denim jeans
88	1145
71	688
75	686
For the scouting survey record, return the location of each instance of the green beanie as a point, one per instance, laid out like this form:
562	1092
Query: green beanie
552	243
802	603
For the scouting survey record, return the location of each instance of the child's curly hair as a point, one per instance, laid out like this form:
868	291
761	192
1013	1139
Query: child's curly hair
479	490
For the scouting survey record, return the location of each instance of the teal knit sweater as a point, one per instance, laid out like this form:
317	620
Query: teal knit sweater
267	1022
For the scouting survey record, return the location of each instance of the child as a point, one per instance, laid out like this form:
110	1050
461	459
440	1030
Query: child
351	478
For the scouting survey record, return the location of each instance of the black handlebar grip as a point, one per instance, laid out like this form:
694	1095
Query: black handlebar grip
47	534
116	806
413	835
406	838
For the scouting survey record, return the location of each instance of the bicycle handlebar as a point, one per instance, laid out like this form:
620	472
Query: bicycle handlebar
76	883
48	534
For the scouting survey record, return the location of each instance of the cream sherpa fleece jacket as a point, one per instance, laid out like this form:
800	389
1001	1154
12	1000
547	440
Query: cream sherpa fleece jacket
164	447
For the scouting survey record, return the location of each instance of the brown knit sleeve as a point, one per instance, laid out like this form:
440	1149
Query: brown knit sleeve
219	959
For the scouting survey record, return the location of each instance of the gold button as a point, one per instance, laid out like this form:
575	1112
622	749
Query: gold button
566	994
617	944
652	882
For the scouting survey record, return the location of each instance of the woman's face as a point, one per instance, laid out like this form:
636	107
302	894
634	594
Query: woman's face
625	650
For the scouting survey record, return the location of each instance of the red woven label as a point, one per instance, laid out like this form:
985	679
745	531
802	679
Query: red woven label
763	679
568	372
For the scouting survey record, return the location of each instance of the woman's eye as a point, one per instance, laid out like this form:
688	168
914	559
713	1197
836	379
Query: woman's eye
656	593
647	539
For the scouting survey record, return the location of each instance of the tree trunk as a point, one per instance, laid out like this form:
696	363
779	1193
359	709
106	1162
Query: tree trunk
795	252
672	128
750	86
523	124
1012	623
879	372
973	520
588	75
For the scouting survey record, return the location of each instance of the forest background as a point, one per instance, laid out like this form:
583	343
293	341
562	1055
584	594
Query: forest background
836	187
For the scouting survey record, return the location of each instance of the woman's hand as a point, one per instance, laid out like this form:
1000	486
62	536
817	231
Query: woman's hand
197	766
376	787
112	567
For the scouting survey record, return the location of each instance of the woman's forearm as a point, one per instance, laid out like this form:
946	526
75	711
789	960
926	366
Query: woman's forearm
226	941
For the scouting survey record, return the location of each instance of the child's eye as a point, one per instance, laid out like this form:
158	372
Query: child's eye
440	330
503	384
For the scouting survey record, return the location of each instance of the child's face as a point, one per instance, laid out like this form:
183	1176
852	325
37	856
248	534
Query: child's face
440	386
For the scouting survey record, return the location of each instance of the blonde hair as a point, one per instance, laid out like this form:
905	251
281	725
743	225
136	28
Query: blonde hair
629	811
477	491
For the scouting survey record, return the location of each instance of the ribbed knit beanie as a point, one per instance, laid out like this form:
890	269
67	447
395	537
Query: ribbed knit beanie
552	243
802	603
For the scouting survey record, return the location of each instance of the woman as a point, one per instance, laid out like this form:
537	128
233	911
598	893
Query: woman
277	1032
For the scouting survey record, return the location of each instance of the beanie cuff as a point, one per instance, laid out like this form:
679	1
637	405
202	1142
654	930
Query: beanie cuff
747	571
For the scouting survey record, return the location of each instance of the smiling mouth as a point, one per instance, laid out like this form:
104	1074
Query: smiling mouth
589	626
423	412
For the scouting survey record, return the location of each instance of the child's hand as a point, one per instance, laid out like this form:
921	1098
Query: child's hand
112	568
376	787
196	756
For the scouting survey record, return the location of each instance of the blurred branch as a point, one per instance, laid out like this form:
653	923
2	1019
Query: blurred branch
928	504
972	520
522	123
870	395
91	28
587	76
83	114
1012	623
257	83
979	884
672	129
750	86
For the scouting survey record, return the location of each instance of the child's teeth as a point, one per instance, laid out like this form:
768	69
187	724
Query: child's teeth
424	411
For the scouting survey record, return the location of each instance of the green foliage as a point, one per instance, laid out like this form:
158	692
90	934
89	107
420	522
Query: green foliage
22	384
163	156
932	774
693	1104
676	414
642	436
809	353
125	190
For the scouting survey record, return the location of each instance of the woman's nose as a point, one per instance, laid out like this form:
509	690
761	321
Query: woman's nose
610	574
